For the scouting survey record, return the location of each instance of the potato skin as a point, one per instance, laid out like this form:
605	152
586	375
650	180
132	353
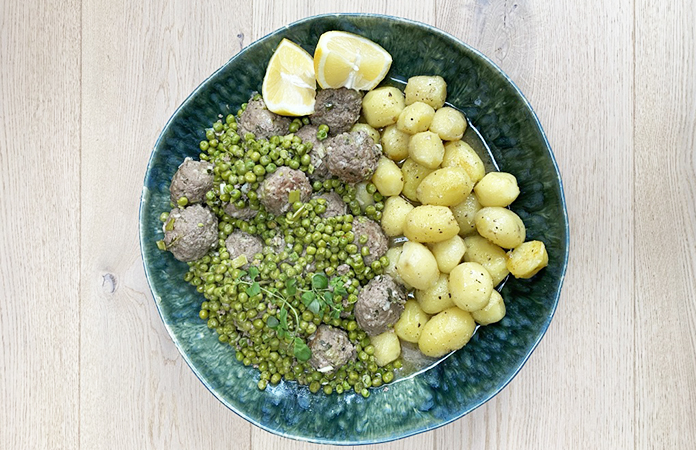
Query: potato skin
417	266
447	331
459	153
448	186
493	312
426	149
394	254
470	286
394	215
382	106
395	143
415	118
430	223
411	323
500	226
437	298
490	256
388	177
449	253
431	90
413	174
527	259
448	123
464	214
387	347
497	189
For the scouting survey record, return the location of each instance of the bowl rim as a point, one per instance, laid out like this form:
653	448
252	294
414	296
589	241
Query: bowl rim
561	277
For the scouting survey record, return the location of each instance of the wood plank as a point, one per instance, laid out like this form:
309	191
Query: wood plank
39	224
573	61
137	392
665	225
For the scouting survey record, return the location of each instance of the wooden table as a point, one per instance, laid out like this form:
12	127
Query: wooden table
85	89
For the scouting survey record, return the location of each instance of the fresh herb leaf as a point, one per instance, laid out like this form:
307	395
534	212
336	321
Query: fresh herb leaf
253	290
272	322
253	272
335	314
291	286
308	297
319	281
242	273
301	350
283	317
315	306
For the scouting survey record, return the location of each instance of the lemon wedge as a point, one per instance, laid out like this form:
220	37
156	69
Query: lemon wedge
344	59
289	86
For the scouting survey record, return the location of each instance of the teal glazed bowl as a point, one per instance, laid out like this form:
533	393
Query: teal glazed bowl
465	379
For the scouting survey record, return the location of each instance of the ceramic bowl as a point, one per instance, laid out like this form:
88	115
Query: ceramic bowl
461	382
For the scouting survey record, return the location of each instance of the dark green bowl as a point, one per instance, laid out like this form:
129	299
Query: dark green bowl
467	378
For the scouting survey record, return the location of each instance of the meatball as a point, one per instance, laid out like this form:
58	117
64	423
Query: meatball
335	206
330	348
257	119
337	108
308	133
352	157
242	243
377	242
192	180
379	305
275	190
191	232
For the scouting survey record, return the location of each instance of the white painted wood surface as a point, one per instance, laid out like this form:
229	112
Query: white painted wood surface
85	89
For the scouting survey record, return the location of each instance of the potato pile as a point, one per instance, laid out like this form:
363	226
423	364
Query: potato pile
462	239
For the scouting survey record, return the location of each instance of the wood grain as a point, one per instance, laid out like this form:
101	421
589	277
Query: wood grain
39	224
85	89
665	224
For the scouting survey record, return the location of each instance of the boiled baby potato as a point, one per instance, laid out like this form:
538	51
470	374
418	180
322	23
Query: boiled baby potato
394	215
437	297
497	189
470	285
395	143
500	226
430	223
382	106
448	123
415	118
464	214
527	259
447	331
374	134
413	174
459	153
417	266
448	186
489	255
387	347
427	89
388	177
449	253
426	149
394	254
493	312
411	323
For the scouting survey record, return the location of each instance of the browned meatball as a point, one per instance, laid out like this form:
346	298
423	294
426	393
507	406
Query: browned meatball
308	133
192	180
352	157
335	206
337	108
275	190
257	119
330	348
191	232
240	213
242	243
377	241
379	305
